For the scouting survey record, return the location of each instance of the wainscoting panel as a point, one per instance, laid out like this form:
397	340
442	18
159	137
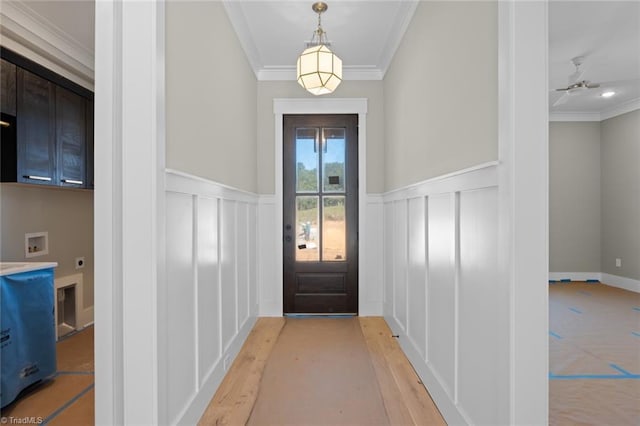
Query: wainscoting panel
228	279
417	326
211	242
208	287
441	310
400	263
478	305
388	220
181	297
442	290
371	249
242	260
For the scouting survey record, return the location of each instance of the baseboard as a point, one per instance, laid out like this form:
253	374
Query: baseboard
621	282
370	309
608	279
575	276
447	407
194	410
87	317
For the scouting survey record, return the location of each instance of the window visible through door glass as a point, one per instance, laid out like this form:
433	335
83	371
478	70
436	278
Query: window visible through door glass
333	160
307	214
334	228
307	160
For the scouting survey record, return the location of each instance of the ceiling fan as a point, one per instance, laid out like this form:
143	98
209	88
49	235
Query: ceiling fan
575	85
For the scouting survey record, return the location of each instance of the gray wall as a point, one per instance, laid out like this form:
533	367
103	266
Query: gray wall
620	155
372	90
66	214
441	93
211	96
574	197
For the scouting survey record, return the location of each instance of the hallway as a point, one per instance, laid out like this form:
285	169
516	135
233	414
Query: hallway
321	371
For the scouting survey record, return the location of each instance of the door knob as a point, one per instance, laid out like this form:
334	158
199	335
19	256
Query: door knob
288	227
288	238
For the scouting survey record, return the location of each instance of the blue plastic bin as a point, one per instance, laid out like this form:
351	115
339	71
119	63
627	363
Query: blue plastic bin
27	331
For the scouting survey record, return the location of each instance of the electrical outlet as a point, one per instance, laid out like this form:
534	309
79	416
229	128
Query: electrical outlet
618	263
225	363
79	262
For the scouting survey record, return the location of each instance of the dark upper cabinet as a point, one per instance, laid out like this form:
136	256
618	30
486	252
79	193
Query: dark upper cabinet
7	87
71	137
89	129
47	129
36	129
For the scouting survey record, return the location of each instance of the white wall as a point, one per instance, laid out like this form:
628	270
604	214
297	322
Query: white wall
441	93
211	292
66	214
620	153
574	197
211	96
441	286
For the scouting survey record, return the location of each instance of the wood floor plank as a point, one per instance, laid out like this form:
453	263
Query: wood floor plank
414	395
396	409
233	402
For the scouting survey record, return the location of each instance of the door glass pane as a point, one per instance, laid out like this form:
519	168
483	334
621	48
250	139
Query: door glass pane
306	160
307	229
334	229
333	160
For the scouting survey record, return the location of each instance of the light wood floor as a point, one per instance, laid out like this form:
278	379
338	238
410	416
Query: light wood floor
406	401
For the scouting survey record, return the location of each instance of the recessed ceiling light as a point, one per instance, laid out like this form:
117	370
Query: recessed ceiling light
608	94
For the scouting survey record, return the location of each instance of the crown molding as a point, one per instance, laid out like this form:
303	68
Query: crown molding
406	13
632	105
235	12
241	27
574	116
26	28
624	108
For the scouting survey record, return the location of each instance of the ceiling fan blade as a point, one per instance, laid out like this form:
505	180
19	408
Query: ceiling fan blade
563	99
592	85
564	89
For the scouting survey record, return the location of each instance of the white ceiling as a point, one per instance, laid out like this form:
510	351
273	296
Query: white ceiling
607	34
365	34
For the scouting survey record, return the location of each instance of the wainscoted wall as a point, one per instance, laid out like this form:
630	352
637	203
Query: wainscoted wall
211	288
442	293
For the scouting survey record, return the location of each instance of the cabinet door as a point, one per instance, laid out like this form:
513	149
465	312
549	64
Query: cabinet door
7	87
70	138
89	110
36	129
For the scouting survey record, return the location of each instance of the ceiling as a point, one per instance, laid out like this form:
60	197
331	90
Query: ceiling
365	34
607	35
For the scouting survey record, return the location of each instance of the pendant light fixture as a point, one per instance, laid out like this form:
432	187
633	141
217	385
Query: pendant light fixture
319	70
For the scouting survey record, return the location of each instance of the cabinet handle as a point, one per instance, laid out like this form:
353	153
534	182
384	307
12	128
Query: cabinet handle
75	182
48	179
4	124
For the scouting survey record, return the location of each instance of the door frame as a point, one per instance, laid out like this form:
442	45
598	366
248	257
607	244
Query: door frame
284	106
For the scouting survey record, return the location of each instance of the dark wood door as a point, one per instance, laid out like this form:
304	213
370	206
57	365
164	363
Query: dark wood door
320	212
36	129
71	138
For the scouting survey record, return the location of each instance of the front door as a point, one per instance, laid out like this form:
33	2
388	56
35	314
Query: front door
320	214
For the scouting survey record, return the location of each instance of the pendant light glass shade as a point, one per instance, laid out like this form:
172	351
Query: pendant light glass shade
319	70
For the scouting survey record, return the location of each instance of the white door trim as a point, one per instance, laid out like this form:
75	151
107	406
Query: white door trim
319	106
523	197
129	212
